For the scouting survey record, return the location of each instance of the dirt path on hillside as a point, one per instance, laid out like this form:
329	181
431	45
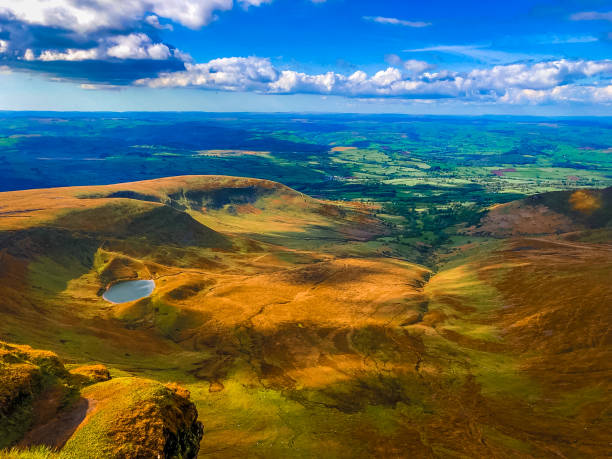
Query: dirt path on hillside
56	432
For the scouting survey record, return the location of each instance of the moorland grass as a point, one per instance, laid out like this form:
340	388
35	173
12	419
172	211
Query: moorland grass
35	452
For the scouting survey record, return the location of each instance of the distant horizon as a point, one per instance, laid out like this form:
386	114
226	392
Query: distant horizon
307	113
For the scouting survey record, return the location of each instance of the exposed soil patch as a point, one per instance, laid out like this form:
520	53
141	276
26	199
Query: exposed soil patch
55	433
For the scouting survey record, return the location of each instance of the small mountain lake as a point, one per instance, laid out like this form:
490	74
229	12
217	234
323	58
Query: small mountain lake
124	292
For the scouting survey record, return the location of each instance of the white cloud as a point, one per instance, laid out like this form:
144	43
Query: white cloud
29	55
69	55
229	74
542	75
136	46
568	93
416	67
92	15
517	83
190	13
386	78
79	23
412	66
592	16
153	21
133	46
395	21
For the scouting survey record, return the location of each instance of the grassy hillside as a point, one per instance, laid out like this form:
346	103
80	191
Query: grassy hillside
550	213
84	413
300	332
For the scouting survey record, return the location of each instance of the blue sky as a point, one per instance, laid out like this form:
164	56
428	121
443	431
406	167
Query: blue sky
472	57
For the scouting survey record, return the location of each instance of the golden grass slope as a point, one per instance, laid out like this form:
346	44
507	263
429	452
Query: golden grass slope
296	338
532	317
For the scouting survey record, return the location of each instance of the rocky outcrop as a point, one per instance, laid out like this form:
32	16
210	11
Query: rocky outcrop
84	410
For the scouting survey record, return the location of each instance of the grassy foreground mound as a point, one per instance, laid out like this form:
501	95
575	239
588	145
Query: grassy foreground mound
26	377
134	417
85	414
299	334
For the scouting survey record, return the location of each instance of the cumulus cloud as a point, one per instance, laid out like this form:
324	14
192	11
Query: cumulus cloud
229	74
97	41
539	82
568	93
44	33
92	15
137	46
396	21
542	75
67	55
134	46
104	44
